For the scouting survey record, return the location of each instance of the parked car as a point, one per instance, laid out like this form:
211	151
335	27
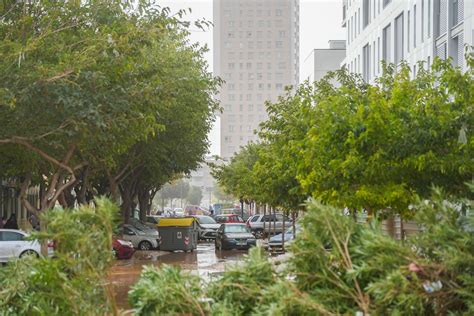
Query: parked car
207	227
178	211
141	239
273	223
234	236
141	225
275	244
14	244
195	210
122	249
228	218
152	221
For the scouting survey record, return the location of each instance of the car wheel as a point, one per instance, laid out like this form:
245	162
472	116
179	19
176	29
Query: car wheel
28	253
144	245
259	233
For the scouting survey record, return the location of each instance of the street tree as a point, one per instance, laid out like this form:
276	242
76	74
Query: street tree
194	196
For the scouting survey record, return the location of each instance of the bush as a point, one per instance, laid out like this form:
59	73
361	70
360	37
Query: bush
239	290
348	267
167	290
75	281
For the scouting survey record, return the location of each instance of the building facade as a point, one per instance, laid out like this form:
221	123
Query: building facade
256	53
409	30
322	60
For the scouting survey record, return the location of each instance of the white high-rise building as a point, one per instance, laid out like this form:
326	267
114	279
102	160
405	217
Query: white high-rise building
410	30
256	53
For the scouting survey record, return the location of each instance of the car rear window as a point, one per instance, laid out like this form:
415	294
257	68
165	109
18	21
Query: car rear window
255	218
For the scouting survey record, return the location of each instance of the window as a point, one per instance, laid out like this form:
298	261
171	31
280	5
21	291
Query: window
278	12
10	236
278	44
366	62
231	86
429	18
386	43
358	22
378	55
399	39
249	65
422	20
365	12
455	10
373	58
279	86
249	97
386	2
414	26
231	97
250	107
260	86
281	34
231	128
408	30
227	44
281	65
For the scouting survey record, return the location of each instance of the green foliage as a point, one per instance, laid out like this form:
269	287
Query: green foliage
347	267
239	290
167	290
357	145
74	282
194	196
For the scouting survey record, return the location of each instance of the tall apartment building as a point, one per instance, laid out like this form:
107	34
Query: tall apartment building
256	52
410	30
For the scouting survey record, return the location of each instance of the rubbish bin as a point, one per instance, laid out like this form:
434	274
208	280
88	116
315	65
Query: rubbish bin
178	233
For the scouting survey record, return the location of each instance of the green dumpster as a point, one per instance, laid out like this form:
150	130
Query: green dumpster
178	233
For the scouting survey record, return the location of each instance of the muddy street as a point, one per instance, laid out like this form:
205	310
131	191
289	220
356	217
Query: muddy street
204	261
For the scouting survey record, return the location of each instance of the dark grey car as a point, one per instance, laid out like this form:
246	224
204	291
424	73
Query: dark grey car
234	236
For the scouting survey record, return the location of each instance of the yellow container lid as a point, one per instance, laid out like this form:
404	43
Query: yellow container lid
170	221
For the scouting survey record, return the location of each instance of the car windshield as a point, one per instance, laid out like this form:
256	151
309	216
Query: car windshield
236	229
206	220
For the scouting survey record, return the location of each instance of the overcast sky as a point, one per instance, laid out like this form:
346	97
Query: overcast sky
320	21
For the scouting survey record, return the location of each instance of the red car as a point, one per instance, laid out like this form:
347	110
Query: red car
122	249
228	218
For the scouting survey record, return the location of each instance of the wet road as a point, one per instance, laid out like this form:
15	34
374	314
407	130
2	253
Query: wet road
204	261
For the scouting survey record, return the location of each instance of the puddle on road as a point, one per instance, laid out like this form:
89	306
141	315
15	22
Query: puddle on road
204	261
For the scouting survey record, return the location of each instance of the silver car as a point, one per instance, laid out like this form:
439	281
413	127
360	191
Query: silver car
261	225
207	227
146	239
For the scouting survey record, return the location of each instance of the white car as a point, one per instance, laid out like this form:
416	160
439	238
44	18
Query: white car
147	239
13	245
178	211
